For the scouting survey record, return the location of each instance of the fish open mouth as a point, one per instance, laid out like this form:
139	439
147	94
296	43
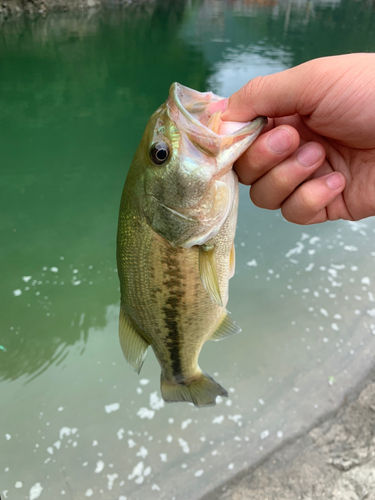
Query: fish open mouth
192	106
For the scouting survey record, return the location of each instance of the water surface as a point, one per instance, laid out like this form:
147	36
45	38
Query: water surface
76	91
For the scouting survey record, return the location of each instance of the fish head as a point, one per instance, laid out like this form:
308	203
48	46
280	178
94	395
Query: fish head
187	156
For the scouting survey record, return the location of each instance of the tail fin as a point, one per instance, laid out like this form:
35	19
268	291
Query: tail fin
202	391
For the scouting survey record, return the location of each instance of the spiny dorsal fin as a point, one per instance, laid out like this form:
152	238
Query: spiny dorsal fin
226	328
207	271
232	262
133	345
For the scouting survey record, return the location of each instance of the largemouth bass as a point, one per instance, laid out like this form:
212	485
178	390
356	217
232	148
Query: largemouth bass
175	243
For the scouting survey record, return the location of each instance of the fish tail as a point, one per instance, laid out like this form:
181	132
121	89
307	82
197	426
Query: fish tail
202	391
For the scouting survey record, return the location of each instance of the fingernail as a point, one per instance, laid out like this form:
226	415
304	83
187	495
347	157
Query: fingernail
335	181
217	106
280	141
309	155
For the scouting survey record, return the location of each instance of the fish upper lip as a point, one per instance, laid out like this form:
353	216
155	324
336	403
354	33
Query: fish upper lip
258	122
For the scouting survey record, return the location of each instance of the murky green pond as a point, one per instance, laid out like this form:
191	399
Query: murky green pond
76	91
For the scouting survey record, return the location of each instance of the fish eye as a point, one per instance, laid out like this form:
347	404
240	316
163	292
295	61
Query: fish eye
159	153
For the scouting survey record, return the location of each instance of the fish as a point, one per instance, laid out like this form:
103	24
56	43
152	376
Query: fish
175	240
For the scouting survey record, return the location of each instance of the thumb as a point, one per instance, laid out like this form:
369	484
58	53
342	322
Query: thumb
280	94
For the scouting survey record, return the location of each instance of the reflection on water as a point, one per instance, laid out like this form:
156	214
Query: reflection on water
75	94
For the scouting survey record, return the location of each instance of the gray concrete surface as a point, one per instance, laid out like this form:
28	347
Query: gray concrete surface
334	460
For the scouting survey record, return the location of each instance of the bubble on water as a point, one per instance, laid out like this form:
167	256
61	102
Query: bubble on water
17	292
323	311
26	279
54	269
18	484
279	434
7	437
252	263
89	493
199	473
154	487
231	466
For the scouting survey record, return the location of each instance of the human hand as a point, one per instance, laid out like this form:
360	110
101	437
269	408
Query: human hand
316	158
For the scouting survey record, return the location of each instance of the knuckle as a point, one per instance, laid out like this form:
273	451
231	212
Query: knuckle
251	89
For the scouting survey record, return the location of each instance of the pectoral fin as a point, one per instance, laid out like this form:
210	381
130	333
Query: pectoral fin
226	328
232	262
134	346
207	271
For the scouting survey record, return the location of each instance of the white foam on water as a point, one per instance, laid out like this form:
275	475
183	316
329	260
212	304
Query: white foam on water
99	466
350	248
8	436
26	279
18	484
252	263
163	457
199	473
218	420
145	413
184	445
156	402
324	312
264	434
310	267
296	250
89	493
120	433
131	443
279	434
35	491
144	381
54	269
143	452
155	487
185	423
112	407
17	292
335	327
111	479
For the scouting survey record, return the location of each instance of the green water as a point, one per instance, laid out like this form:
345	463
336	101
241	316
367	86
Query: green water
76	91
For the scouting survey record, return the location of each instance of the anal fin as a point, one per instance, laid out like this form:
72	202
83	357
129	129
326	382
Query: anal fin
133	345
226	328
207	271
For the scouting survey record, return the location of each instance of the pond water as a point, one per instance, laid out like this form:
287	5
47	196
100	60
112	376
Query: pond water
76	91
